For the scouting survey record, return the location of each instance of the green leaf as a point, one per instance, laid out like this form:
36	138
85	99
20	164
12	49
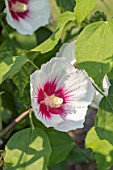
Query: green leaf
83	8
1	6
10	66
60	166
21	79
25	98
0	112
42	34
28	149
21	39
61	144
9	102
50	43
103	150
110	74
10	48
94	49
66	5
104	121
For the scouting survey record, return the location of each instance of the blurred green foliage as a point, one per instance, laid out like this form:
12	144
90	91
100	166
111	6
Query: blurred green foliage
18	61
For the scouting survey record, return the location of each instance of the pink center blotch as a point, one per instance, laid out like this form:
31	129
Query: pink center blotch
51	101
18	9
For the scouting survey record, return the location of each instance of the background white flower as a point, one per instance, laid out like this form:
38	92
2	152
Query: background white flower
68	51
60	95
97	97
27	15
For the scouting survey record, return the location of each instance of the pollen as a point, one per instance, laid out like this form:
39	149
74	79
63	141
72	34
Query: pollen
19	7
53	101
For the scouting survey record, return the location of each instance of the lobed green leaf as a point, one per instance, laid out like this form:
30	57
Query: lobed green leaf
104	121
94	49
28	149
103	150
50	43
10	66
61	144
83	8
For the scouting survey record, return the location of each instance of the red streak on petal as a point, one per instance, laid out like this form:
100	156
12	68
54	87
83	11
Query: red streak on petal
17	15
44	111
24	1
50	87
23	14
40	96
64	94
57	111
14	15
12	1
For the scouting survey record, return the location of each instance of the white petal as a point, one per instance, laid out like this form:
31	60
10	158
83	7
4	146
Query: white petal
57	68
51	122
68	51
96	100
106	84
73	121
49	71
37	81
97	97
79	87
39	16
23	27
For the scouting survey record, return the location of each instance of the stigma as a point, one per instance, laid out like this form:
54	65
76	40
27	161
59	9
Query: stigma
19	7
53	101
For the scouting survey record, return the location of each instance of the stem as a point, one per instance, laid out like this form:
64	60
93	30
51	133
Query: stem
96	87
15	122
33	64
31	121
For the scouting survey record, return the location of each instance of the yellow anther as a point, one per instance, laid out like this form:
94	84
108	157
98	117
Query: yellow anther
19	7
53	101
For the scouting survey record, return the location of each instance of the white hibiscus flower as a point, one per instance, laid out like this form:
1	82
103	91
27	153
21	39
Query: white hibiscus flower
26	16
60	95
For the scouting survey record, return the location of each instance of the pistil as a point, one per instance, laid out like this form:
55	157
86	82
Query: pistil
19	7
53	101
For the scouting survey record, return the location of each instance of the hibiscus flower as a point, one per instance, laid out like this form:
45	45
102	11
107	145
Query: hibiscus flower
60	95
26	16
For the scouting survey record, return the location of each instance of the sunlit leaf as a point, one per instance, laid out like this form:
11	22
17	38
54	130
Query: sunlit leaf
50	43
103	150
83	8
10	66
28	149
94	49
21	79
10	48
